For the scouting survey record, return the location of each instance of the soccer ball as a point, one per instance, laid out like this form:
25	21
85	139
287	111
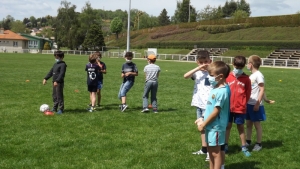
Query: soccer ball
44	107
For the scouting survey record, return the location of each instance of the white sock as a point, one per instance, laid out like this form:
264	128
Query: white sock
223	166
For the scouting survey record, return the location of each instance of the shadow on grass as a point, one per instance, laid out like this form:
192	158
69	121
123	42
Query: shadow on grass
244	165
269	144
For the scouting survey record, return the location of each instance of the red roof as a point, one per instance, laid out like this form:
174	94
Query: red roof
9	35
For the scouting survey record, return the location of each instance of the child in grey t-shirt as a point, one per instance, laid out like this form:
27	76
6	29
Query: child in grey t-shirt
151	84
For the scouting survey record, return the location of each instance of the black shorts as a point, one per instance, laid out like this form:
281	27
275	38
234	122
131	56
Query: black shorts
93	88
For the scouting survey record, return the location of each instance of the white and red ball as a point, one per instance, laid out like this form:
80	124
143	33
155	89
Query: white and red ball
44	108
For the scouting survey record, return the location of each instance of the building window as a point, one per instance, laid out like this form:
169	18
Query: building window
15	44
33	44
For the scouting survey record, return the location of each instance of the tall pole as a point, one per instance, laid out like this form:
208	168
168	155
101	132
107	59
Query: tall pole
189	10
128	28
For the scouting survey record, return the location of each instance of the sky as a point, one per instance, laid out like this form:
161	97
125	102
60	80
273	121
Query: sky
20	9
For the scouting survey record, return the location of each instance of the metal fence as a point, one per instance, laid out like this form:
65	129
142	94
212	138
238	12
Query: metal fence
289	63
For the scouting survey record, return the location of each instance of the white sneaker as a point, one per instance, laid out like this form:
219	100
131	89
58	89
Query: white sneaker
207	157
257	147
145	110
200	152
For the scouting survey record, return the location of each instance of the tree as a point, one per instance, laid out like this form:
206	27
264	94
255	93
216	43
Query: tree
244	6
210	13
94	39
47	46
6	23
230	7
163	18
116	26
47	32
182	12
18	27
66	26
238	15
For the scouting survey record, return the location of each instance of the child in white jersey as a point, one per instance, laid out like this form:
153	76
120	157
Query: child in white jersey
151	83
255	108
202	88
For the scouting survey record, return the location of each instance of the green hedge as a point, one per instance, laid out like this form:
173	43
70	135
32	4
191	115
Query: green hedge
264	21
237	44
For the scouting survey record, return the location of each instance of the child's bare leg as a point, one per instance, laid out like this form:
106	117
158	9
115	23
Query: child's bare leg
241	131
215	156
249	125
99	96
204	144
93	98
123	99
228	128
258	131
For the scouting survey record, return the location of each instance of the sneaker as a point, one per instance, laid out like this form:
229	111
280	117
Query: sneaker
91	109
155	111
257	147
145	110
98	105
246	152
207	157
59	112
200	152
123	107
226	148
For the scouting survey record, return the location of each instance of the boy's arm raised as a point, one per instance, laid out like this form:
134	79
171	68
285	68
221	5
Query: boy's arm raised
191	72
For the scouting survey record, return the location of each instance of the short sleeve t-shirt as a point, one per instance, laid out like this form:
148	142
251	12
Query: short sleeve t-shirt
129	67
92	74
151	72
218	97
202	88
256	78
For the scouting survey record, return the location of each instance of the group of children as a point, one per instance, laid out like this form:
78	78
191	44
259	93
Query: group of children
95	70
222	97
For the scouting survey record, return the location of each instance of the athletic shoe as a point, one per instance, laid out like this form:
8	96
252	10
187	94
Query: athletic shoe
123	107
226	148
59	112
257	147
207	157
98	105
200	152
155	110
246	152
145	110
54	110
91	109
247	145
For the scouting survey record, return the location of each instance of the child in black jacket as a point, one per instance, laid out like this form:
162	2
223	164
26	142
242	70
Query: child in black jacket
58	73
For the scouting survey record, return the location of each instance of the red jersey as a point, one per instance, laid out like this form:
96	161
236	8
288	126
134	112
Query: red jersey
240	88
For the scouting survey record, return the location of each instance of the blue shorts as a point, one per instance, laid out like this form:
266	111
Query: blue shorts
215	138
237	118
100	84
124	88
200	112
255	116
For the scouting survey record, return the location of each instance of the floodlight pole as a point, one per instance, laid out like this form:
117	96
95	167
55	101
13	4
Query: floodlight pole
128	28
189	10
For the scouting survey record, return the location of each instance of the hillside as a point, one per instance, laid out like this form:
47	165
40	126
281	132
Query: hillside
258	33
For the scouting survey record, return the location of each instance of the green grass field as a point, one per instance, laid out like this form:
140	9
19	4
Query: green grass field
111	139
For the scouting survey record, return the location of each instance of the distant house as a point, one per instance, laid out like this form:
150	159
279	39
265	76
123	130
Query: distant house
35	43
12	42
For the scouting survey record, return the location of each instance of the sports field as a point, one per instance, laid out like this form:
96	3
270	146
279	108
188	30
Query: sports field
108	138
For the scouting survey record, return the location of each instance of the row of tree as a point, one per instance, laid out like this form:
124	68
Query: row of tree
85	29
